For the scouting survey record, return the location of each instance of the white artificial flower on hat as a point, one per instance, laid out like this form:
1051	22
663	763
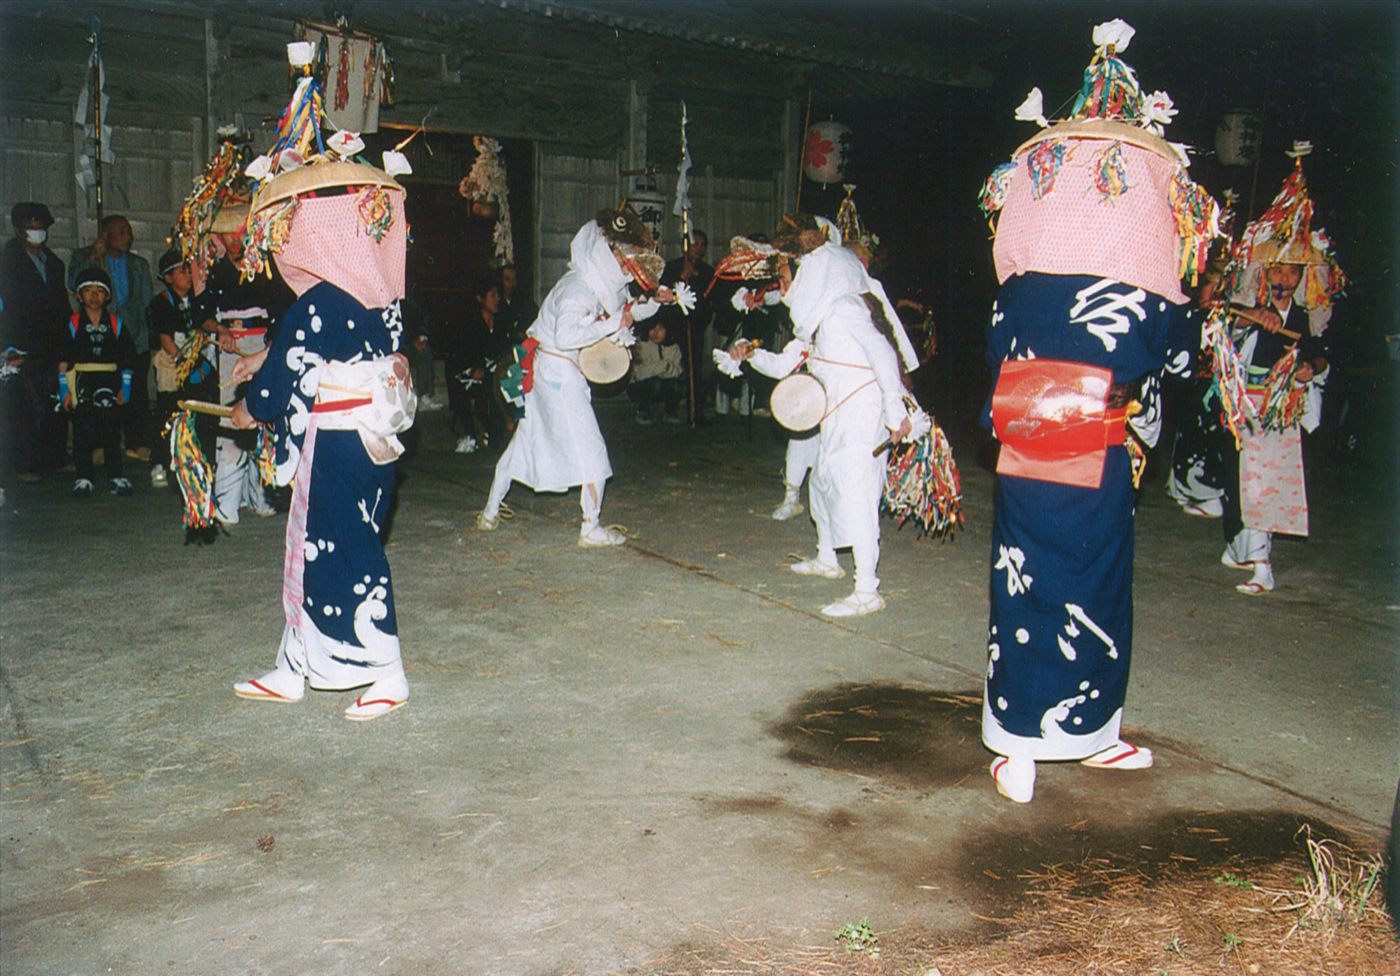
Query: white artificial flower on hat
300	53
1301	147
346	143
396	163
227	131
258	168
1113	32
1157	111
1032	109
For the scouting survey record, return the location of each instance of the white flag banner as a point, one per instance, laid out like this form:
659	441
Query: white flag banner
354	85
86	173
683	171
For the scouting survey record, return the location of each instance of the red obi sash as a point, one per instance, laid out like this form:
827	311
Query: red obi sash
1053	421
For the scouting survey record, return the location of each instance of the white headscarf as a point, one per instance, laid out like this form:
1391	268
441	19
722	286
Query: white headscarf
832	274
591	256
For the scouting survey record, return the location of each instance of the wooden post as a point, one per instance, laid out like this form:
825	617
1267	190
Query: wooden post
96	88
211	58
801	153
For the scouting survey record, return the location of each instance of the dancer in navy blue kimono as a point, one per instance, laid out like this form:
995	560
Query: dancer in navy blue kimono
1098	225
341	629
334	390
1060	638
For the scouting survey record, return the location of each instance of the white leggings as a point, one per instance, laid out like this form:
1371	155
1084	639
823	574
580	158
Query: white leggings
800	458
236	481
590	499
1250	546
865	554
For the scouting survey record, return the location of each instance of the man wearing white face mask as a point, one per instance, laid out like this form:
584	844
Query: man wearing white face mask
36	308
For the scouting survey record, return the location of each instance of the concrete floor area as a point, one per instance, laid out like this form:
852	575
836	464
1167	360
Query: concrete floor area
614	756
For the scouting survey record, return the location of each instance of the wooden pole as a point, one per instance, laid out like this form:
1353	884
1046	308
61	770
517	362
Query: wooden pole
96	87
692	368
806	124
1259	150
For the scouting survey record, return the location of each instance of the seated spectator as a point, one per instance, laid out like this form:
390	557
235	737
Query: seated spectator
518	313
657	376
419	351
471	361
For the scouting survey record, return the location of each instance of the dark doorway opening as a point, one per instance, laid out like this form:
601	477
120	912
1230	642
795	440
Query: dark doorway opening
450	250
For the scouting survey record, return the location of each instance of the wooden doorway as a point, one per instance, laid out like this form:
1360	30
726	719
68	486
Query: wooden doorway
450	250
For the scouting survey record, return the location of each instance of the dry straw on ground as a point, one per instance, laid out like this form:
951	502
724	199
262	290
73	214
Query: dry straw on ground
1319	915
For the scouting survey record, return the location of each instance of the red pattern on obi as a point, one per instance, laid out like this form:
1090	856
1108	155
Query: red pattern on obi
1052	420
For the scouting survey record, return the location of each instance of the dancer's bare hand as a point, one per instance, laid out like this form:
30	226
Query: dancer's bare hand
897	434
241	418
247	367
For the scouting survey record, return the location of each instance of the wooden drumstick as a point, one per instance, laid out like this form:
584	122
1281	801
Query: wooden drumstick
1251	316
205	407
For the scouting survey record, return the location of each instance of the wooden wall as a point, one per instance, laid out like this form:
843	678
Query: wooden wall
176	71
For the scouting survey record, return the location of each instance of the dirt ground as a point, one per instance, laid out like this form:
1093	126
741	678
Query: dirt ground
654	759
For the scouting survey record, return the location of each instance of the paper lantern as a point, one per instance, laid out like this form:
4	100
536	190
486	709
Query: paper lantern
650	204
1237	138
825	151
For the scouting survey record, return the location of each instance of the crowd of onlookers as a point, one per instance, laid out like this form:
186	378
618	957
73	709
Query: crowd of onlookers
93	349
98	350
90	345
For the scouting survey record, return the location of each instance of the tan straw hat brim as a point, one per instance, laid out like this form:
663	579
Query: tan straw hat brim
230	219
1292	252
1107	130
320	176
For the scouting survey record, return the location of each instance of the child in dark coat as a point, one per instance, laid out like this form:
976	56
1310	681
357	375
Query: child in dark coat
94	380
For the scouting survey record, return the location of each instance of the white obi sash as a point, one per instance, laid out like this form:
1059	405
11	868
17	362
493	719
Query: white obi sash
374	397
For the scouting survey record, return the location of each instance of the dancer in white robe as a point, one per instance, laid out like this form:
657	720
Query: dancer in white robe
859	370
801	454
558	444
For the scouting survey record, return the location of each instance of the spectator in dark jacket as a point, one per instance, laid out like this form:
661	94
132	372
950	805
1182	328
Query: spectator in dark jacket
35	296
518	313
471	360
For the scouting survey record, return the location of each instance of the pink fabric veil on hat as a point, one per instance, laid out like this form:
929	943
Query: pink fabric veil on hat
323	213
1102	193
328	242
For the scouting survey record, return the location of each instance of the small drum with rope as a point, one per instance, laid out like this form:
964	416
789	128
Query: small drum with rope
604	362
798	402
